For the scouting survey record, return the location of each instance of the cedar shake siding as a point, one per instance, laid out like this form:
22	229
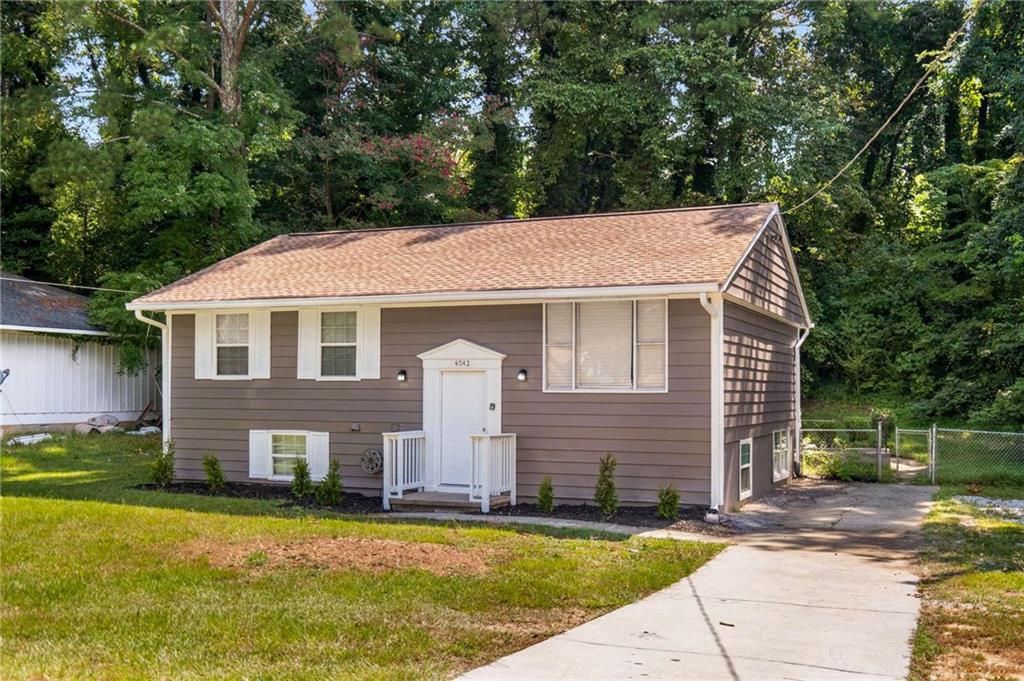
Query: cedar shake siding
759	392
765	279
658	438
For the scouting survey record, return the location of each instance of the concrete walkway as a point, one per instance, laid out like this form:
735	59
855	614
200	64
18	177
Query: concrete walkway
820	591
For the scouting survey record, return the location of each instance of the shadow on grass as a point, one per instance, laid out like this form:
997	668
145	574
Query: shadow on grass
114	468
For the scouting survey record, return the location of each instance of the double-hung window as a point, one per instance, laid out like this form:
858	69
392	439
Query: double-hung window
746	468
780	454
605	346
338	340
231	339
285	450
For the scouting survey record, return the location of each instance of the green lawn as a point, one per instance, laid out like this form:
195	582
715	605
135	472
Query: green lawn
972	617
104	581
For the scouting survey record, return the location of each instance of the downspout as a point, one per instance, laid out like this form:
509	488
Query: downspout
796	395
165	374
713	306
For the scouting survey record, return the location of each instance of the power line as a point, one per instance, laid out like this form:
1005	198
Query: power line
54	283
920	81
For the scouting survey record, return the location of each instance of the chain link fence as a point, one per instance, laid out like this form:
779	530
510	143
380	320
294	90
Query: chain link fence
983	457
852	454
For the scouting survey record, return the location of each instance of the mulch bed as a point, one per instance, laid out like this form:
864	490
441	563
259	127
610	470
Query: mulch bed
350	503
691	518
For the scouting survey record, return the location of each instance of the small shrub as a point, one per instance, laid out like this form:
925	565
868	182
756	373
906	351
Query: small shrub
214	473
329	491
840	465
302	484
605	496
546	495
668	503
163	467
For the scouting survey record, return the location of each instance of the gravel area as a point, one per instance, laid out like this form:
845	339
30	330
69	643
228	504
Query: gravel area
1005	509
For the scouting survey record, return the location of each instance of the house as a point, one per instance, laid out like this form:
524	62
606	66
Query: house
478	358
60	372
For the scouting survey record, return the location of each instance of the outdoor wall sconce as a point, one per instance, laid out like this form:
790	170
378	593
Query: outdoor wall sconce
521	376
401	376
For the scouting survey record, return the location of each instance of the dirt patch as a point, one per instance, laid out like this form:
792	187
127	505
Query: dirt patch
344	553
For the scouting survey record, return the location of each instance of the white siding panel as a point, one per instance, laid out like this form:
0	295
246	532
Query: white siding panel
51	383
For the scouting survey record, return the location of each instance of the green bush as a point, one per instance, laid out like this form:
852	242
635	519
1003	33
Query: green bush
330	490
605	496
842	465
546	495
302	484
668	503
163	467
214	473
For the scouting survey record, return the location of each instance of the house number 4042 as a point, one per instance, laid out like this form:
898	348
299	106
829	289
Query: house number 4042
462	362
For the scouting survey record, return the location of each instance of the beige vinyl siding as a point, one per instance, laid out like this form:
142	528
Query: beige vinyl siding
658	438
764	279
759	391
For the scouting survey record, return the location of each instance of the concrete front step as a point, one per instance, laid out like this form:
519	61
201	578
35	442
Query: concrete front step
443	500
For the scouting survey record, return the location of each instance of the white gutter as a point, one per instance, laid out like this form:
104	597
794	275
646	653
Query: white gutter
796	395
165	373
713	305
519	295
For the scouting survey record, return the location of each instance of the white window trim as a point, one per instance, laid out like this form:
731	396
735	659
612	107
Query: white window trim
247	345
739	458
270	452
320	344
632	390
776	477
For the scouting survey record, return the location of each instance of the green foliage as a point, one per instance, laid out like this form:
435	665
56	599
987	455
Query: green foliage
546	495
329	491
214	473
842	465
140	162
302	484
162	471
605	495
668	503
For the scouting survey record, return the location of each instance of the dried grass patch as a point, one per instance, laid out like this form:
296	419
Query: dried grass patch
344	553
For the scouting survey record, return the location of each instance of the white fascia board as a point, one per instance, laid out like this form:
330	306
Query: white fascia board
461	297
46	329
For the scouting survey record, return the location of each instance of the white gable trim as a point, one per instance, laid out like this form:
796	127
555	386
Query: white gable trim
47	329
462	349
774	216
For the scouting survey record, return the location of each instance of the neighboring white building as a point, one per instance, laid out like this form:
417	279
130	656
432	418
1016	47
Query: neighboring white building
57	375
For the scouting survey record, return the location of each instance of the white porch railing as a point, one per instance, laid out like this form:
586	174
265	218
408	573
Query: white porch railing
405	463
494	468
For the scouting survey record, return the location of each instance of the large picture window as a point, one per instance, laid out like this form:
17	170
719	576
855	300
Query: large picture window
232	344
605	346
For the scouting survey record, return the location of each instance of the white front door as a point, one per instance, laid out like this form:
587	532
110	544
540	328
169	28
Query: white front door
463	413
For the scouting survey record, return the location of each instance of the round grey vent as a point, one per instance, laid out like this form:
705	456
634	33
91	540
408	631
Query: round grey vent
372	461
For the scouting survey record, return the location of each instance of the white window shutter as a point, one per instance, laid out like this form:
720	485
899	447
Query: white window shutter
204	352
318	454
309	343
259	344
368	352
259	454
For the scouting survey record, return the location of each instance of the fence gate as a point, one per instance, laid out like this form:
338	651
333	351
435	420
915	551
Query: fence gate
914	454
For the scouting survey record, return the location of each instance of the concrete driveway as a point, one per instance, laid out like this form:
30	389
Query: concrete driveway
818	589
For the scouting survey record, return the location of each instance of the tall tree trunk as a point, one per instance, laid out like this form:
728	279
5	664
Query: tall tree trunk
230	57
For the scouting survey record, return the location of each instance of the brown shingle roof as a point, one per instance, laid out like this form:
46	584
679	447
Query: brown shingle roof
680	246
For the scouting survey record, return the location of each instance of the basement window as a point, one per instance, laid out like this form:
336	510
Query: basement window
746	468
285	450
780	455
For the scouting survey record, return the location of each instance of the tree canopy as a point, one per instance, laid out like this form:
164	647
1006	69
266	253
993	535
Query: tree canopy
143	140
